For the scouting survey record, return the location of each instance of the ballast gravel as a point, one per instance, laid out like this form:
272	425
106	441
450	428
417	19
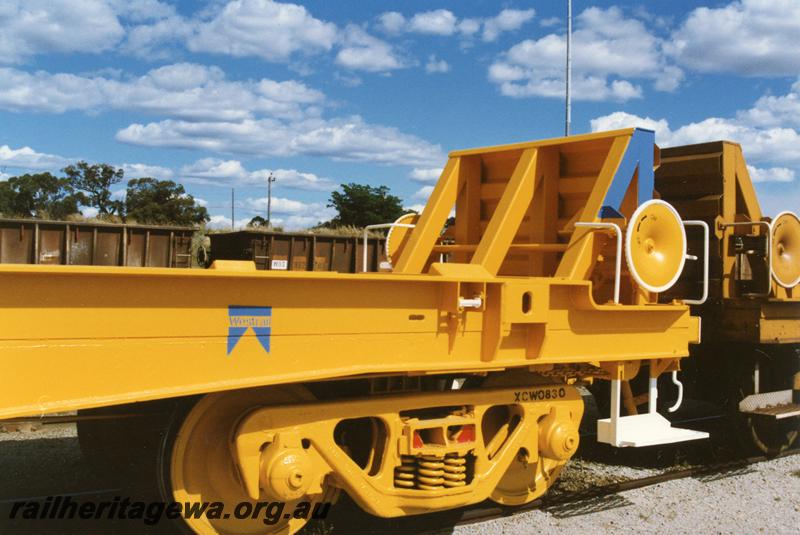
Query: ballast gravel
761	498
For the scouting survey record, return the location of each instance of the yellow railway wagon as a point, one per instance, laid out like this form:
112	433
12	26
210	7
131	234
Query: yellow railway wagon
749	361
430	386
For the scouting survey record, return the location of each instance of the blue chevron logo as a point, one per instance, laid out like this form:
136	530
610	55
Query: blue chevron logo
244	318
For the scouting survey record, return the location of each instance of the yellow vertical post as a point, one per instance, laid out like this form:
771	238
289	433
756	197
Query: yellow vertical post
508	215
543	213
745	185
728	215
432	220
468	205
576	262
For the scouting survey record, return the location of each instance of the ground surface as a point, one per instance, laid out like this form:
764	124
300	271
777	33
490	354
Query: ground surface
762	498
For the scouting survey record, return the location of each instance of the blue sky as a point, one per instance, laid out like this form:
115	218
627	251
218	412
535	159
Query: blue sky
217	94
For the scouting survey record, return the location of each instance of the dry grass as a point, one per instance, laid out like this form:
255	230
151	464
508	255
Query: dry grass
345	231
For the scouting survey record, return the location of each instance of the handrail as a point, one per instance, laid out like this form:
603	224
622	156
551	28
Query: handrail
769	248
706	238
678	401
618	232
379	226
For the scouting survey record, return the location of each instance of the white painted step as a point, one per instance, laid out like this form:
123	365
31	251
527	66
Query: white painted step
642	430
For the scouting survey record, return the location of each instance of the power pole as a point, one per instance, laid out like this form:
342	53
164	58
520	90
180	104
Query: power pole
569	68
270	180
233	210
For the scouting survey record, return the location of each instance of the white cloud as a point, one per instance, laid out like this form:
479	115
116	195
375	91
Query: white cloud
621	119
149	41
445	23
345	139
772	145
747	37
27	158
282	205
392	22
418	207
89	211
140	170
469	27
362	51
608	50
221	222
32	27
289	213
436	22
214	171
269	30
422	193
185	90
550	21
292	178
141	10
435	65
772	110
772	174
505	21
425	174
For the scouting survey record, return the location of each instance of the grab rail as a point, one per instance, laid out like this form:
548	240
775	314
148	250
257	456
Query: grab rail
706	238
375	227
618	232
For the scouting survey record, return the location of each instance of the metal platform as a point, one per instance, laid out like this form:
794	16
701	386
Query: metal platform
641	430
776	405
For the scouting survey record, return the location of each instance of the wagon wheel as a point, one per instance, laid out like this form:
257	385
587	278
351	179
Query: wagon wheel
768	435
196	462
524	481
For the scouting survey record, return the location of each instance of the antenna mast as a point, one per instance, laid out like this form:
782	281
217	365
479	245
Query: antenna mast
569	68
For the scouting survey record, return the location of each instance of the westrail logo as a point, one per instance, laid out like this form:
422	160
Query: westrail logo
244	318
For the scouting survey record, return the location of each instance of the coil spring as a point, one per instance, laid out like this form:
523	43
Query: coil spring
430	472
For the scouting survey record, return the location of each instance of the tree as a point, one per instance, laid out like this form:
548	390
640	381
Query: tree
360	205
39	195
95	181
257	222
162	202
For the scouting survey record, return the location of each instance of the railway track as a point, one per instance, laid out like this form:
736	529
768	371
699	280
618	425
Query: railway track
561	504
591	499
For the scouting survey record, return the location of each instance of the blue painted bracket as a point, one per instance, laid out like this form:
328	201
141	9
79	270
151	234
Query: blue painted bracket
638	155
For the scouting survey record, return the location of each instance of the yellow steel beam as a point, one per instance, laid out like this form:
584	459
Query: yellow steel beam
627	132
424	236
508	215
78	337
468	206
577	261
728	215
543	213
745	187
